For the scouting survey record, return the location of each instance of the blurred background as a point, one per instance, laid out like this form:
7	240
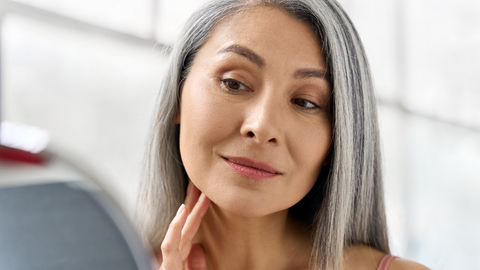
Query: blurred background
87	74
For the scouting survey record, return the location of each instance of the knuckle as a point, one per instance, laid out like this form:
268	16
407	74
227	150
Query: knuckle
173	227
167	248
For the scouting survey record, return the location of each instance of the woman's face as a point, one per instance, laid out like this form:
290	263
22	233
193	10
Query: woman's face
254	123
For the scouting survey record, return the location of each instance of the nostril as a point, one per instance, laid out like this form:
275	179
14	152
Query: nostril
272	140
250	134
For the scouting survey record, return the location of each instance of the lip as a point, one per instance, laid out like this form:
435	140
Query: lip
250	168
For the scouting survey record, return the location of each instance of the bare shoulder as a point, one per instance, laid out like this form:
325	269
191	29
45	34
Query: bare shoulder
402	264
361	257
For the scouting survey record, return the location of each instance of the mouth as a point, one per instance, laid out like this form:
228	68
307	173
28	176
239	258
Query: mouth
250	168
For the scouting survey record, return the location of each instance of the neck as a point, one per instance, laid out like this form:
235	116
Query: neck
269	242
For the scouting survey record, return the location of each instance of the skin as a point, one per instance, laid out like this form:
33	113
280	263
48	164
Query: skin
260	119
256	89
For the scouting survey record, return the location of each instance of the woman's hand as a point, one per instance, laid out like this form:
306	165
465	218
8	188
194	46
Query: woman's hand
178	252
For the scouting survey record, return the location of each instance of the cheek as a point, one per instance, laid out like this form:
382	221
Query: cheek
316	145
203	118
310	150
205	122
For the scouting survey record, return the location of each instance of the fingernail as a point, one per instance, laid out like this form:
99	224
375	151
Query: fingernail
202	197
181	209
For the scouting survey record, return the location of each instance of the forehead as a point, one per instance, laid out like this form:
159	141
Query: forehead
270	32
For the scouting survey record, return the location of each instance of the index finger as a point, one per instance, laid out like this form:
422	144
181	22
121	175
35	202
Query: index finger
172	259
192	224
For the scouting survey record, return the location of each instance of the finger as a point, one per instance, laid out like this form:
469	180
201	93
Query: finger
192	196
196	259
192	224
172	259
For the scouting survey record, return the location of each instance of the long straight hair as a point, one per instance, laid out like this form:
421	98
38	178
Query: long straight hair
346	205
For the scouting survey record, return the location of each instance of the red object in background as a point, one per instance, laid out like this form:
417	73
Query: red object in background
15	154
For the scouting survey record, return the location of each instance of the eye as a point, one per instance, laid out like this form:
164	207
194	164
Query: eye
305	104
234	85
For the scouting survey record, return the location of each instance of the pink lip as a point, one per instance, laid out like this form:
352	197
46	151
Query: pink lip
251	169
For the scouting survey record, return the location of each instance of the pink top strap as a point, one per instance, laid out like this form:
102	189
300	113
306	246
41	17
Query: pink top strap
385	261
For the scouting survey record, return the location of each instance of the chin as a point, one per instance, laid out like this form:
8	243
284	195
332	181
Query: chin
245	197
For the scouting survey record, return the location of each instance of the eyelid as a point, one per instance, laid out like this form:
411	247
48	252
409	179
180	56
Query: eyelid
313	96
316	106
226	80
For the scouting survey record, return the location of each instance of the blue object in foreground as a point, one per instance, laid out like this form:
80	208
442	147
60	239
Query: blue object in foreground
66	226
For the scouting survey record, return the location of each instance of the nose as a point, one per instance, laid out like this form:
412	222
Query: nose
263	122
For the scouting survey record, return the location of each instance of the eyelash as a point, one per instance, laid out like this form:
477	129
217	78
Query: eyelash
315	106
225	83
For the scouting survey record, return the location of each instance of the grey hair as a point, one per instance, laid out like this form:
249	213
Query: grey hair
346	204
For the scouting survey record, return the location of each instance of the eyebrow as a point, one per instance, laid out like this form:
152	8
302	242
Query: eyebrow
308	73
257	60
249	54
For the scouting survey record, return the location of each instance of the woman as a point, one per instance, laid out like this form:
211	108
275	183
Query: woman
268	115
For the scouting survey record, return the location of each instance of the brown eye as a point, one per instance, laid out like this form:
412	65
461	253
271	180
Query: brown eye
304	103
234	85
